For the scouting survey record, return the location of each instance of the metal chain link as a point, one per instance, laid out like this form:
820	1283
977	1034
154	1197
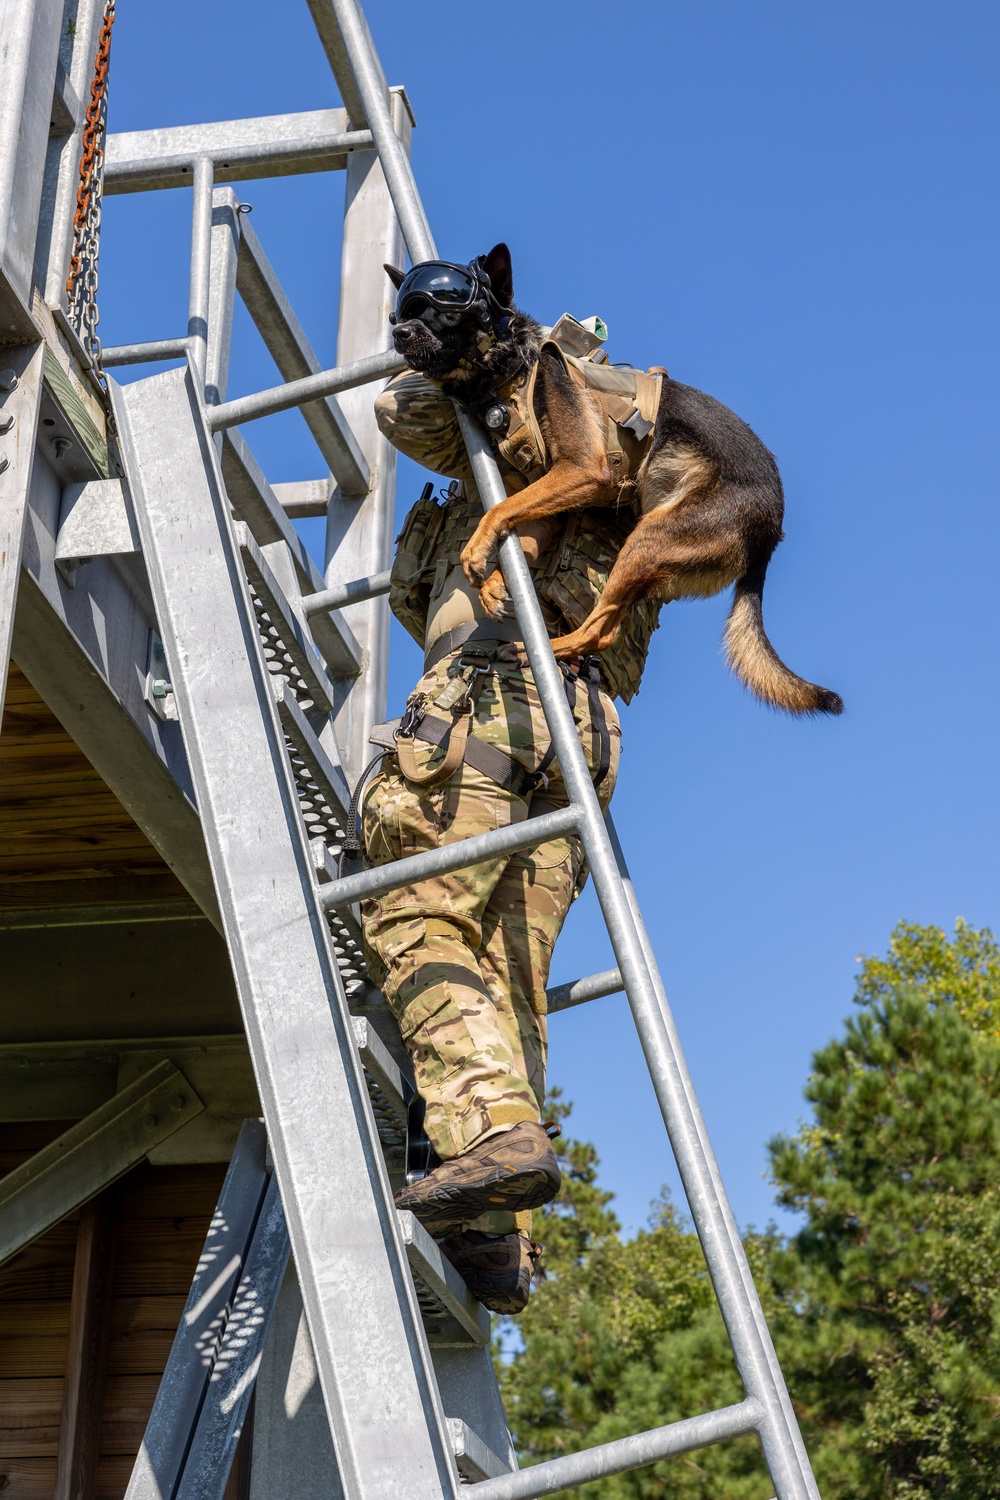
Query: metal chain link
81	284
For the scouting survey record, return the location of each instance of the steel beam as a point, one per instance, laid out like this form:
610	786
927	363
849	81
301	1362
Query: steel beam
92	1154
220	1421
20	393
359	536
227	231
374	1366
188	1370
265	301
268	146
29	54
254	501
302	498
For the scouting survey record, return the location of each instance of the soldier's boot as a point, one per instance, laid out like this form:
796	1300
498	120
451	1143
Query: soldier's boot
514	1170
497	1268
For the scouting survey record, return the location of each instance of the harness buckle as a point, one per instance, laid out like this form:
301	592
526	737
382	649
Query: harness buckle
475	671
412	715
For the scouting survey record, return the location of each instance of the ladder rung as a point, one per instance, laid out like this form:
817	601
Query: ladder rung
474	1459
626	1453
562	996
315	140
343	594
310	388
376	882
255	502
146	353
452	1316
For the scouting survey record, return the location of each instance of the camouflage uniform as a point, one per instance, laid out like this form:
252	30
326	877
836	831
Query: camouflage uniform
463	959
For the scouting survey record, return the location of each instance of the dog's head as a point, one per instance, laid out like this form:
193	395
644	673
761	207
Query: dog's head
449	315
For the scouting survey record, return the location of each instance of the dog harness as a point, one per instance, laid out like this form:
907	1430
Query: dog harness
626	401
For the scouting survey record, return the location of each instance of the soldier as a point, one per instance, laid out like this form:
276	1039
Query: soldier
463	959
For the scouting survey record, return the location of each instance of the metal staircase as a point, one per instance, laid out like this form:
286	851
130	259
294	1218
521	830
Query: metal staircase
272	690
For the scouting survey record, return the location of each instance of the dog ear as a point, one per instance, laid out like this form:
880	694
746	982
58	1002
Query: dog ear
498	268
395	276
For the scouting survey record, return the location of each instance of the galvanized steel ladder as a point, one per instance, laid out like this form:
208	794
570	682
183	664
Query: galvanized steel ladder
256	666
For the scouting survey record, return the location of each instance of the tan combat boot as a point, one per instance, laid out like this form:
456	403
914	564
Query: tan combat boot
515	1170
498	1269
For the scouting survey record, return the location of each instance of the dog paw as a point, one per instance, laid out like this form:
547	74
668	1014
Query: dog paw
493	596
475	559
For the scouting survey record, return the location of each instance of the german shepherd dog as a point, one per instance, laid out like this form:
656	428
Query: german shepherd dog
710	495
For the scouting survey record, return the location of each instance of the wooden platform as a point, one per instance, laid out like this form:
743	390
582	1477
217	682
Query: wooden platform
159	1217
65	840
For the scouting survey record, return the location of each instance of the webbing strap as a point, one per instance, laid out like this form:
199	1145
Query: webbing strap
463	635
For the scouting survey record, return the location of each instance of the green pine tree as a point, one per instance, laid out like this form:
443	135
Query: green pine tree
885	1307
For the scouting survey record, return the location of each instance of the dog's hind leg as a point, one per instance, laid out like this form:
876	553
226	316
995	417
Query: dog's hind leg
671	554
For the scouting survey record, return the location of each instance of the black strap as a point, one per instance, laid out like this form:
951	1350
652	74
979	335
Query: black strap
462	635
599	719
350	849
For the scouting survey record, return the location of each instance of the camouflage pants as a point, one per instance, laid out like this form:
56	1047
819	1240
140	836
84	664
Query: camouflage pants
463	959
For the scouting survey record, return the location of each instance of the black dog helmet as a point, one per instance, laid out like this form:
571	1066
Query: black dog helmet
450	287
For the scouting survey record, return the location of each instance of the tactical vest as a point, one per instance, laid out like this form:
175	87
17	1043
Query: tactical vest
569	579
626	402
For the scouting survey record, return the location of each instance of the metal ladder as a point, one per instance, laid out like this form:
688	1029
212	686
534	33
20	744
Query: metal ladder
256	666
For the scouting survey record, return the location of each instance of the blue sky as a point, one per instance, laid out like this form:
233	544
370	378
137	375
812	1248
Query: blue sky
794	208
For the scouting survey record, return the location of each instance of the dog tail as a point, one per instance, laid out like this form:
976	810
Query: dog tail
755	661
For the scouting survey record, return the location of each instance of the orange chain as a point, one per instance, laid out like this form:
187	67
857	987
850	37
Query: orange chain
91	141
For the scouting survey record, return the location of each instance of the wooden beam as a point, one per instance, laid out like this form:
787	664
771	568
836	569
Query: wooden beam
86	1362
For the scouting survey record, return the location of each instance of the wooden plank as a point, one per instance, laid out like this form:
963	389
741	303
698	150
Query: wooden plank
29	1417
174	1193
142	1331
86	1361
58	819
34	1337
31	1478
164	1260
110	890
113	1474
44	1271
128	1401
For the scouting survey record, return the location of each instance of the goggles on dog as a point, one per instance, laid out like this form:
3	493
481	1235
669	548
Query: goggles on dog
439	283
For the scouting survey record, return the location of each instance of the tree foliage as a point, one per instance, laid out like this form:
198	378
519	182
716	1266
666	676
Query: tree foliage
885	1306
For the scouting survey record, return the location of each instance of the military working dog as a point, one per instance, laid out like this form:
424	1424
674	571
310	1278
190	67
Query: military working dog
709	495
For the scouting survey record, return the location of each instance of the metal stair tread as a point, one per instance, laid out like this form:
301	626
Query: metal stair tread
475	1459
452	1316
